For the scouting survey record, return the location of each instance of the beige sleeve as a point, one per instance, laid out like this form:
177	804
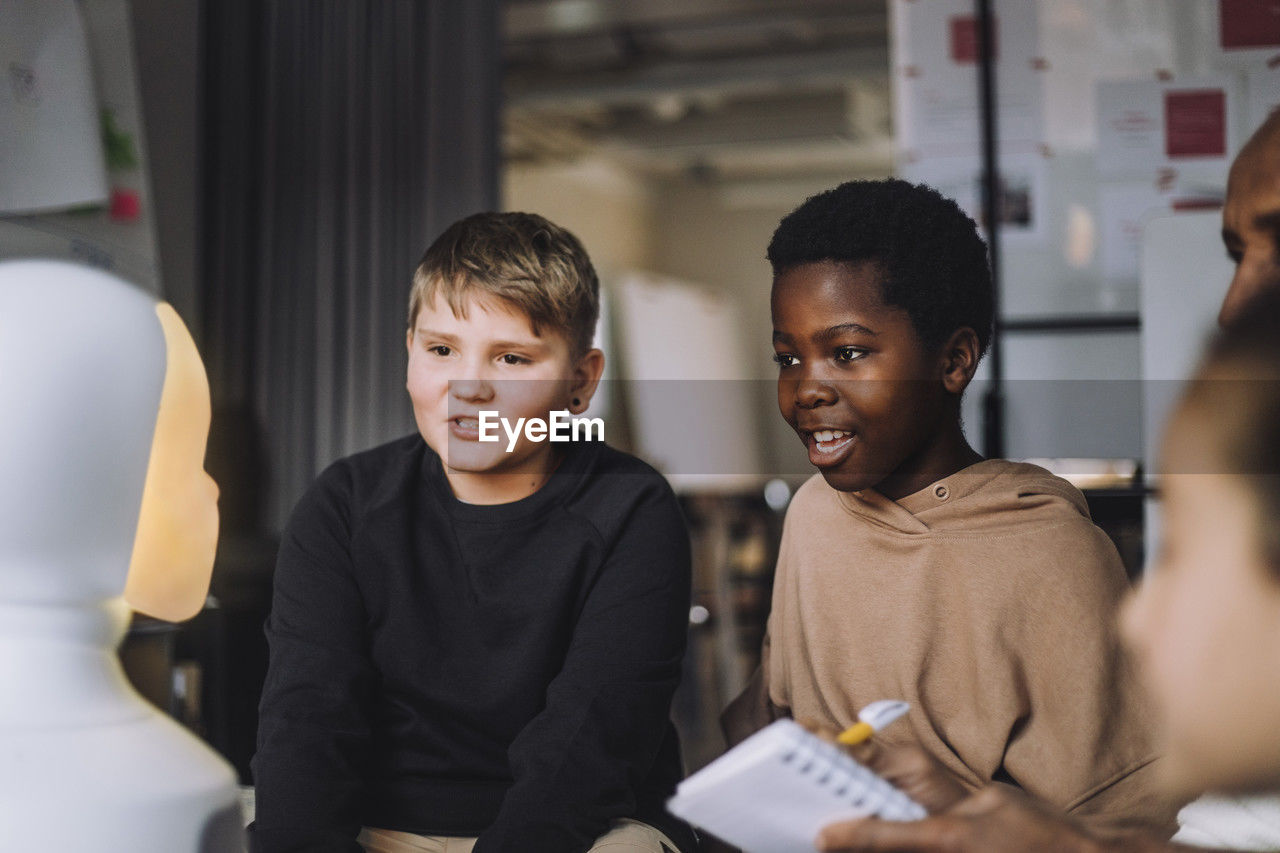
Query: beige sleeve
1084	741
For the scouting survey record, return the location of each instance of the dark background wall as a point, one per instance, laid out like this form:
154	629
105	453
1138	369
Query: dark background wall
339	139
303	154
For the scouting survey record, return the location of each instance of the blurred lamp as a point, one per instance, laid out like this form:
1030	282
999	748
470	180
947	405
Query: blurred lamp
177	533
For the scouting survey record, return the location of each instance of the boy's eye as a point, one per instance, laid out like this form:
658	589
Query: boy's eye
847	354
440	350
783	359
512	358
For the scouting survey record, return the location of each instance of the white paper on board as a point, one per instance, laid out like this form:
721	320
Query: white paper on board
1185	128
50	145
1124	208
1130	127
117	236
936	77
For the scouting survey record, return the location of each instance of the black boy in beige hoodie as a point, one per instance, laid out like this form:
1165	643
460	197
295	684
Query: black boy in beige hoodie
977	590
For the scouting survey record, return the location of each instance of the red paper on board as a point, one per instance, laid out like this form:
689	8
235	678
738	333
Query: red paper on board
1248	23
964	39
126	206
1195	123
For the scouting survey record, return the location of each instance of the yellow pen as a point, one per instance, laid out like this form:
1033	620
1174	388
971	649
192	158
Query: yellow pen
872	719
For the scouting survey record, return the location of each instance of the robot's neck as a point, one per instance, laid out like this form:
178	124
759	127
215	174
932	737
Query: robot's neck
58	666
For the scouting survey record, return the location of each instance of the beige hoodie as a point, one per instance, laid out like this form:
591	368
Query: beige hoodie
988	601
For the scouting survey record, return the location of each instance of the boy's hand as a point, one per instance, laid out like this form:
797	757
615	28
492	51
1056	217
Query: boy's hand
997	818
908	767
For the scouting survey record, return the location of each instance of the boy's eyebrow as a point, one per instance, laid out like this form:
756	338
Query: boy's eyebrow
836	331
828	333
535	344
432	333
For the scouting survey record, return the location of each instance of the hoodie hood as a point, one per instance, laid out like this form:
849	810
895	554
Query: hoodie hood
981	499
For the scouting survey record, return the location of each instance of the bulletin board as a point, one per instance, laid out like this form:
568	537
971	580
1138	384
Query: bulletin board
1110	114
110	225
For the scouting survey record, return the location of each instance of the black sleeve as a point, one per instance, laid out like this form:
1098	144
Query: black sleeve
578	763
313	729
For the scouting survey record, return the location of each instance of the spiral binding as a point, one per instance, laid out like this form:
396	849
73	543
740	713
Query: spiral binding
825	764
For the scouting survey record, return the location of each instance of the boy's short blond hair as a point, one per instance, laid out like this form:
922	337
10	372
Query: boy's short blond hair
522	258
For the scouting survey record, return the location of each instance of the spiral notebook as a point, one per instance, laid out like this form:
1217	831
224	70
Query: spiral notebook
773	792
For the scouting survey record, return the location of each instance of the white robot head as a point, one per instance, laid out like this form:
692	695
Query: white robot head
104	416
104	505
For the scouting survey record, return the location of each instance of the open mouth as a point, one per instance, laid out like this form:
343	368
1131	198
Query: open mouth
828	446
465	427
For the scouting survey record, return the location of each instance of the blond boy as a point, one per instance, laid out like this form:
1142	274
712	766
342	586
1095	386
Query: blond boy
474	643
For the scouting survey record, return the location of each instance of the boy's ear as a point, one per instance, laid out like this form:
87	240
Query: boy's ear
960	356
408	341
586	377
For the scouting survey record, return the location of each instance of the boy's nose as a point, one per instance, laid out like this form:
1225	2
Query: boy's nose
471	390
810	393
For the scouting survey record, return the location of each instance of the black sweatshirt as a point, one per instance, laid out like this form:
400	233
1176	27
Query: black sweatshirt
453	669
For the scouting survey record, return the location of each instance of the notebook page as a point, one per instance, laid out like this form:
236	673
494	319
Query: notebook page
775	791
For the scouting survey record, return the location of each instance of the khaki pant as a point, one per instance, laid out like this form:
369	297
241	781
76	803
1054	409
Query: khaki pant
627	836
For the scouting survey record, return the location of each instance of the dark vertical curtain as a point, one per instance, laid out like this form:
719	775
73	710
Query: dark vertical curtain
341	137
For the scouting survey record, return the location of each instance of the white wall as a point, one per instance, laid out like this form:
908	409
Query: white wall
608	209
707	233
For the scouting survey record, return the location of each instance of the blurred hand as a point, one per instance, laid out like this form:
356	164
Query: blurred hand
908	767
994	820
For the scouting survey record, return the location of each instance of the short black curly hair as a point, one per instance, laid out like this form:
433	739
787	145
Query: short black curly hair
932	262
